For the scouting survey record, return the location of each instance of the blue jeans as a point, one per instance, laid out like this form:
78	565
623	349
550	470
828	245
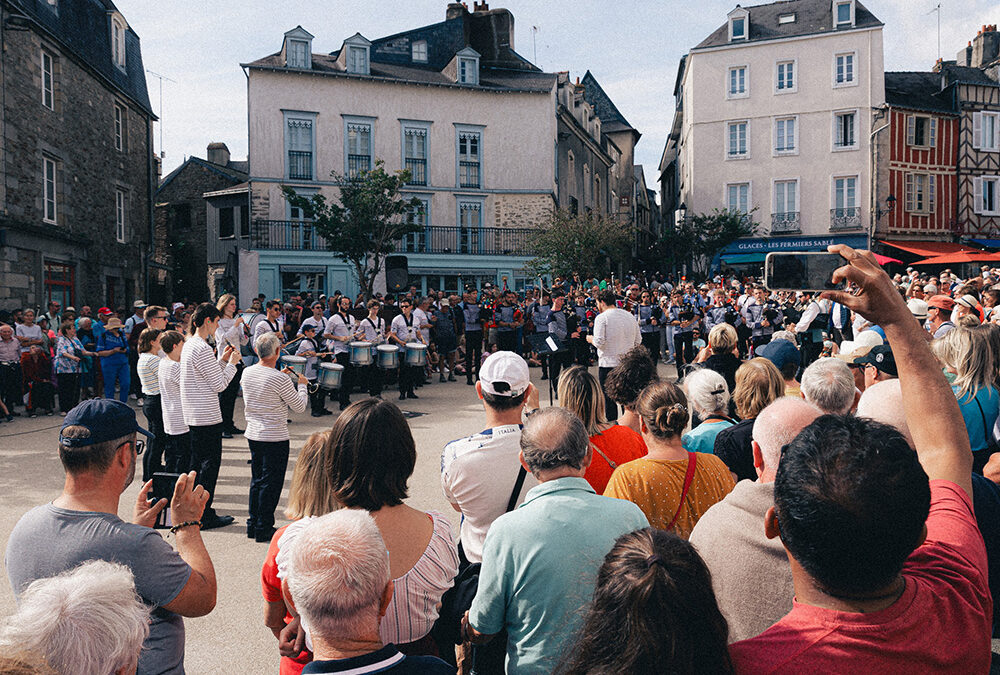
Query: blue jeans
115	371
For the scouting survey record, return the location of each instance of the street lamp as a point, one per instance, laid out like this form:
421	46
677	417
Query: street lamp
890	204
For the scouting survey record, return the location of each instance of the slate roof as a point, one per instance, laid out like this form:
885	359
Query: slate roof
812	17
917	91
233	172
611	118
83	29
967	75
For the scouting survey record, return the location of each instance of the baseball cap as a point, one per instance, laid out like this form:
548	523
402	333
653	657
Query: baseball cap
779	352
71	308
504	374
942	302
139	304
881	357
917	307
104	310
177	305
105	418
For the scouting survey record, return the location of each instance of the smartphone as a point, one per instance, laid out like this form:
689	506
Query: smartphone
163	488
802	271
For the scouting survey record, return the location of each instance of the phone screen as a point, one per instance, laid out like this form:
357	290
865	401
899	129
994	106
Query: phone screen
802	271
163	488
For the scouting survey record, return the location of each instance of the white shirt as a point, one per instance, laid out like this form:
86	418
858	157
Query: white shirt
341	327
203	377
615	332
34	331
812	311
229	333
477	475
268	393
169	376
404	332
420	319
373	333
264	326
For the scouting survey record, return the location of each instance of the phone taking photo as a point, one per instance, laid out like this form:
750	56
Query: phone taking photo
811	272
163	488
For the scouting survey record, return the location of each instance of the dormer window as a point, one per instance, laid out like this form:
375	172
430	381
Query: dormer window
298	48
356	55
467	66
843	13
118	29
418	51
739	22
786	18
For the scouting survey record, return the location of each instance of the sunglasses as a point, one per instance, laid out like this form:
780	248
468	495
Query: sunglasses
140	446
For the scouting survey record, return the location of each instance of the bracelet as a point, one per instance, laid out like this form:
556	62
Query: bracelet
186	523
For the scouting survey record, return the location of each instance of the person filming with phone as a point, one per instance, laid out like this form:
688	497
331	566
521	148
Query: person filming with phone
99	450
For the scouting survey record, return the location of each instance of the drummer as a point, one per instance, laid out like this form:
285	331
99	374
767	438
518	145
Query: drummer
342	329
309	349
372	329
404	330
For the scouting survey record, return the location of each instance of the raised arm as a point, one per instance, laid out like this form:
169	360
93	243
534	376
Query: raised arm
929	404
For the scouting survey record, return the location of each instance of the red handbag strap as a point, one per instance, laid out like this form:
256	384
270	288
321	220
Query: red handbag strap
688	478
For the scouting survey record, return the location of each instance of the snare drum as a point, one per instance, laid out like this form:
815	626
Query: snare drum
330	375
416	354
361	353
388	356
297	364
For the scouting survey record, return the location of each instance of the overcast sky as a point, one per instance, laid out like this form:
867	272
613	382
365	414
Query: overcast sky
631	46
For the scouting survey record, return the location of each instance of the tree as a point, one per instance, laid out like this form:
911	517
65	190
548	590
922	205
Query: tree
367	221
700	237
584	243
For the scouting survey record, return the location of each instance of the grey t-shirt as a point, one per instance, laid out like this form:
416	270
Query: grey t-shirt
49	540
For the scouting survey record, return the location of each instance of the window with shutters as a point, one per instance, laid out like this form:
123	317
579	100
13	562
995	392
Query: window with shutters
358	139
786	136
987	195
357	60
920	193
845	133
469	153
843	70
48	81
297	54
986	131
468	71
738	140
921	131
299	146
785	77
738	84
415	152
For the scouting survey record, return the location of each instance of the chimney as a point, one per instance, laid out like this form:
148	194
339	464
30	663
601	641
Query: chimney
455	10
491	32
218	153
985	48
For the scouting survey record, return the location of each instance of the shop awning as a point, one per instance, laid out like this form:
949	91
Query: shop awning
883	259
961	257
988	243
743	258
928	249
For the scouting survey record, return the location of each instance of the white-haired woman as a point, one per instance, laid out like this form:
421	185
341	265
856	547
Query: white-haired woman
87	620
709	398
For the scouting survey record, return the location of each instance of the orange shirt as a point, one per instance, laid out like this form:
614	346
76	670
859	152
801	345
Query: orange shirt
621	444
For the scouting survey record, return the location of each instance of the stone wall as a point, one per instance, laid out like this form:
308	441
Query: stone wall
520	210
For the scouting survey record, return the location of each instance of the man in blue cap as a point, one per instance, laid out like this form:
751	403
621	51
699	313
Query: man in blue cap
98	450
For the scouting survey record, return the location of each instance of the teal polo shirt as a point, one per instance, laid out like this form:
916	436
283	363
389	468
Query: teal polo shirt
540	565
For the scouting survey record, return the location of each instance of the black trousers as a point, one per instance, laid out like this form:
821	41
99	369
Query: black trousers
558	361
581	351
759	341
651	341
810	352
610	407
544	358
227	398
347	378
68	387
10	384
177	453
408	377
507	340
473	354
152	459
683	351
372	379
317	398
268	462
206	458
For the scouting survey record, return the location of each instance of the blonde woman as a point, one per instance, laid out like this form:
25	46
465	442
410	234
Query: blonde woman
230	332
758	383
612	444
672	486
721	354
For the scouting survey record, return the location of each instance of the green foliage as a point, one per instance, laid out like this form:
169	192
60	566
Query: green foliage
367	221
584	243
698	238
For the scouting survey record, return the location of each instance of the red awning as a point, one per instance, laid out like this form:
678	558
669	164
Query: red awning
961	257
883	259
929	248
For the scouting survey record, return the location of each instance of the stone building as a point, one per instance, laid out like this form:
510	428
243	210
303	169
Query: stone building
77	173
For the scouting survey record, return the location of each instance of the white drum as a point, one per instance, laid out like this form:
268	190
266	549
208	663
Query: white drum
297	364
330	375
416	354
388	356
361	353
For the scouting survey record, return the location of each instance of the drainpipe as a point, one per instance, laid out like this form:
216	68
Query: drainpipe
150	256
873	192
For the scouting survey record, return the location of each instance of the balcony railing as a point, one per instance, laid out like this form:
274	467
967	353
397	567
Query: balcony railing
300	165
292	235
418	171
468	174
358	163
845	218
785	223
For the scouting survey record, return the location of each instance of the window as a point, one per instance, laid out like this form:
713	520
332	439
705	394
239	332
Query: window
120	215
119	127
786	136
297	55
737	146
227	223
416	242
415	154
921	131
59	283
786	18
359	148
598	201
986	131
470	221
48	87
785	80
738	28
843	70
468	73
843	14
419	51
357	60
48	190
118	42
469	159
738	82
845	196
919	193
299	233
302	282
844	132
786	198
987	195
738	197
299	144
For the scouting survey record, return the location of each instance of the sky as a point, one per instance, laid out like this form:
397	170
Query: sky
631	46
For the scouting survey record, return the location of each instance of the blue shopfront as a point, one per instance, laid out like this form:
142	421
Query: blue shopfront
748	254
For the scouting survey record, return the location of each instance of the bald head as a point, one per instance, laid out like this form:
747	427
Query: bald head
883	402
778	424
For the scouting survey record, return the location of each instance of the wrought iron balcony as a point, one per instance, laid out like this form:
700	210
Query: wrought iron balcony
845	219
300	165
468	174
293	235
785	223
418	171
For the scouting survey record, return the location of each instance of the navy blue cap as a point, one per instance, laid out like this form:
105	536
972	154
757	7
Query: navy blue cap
107	419
779	352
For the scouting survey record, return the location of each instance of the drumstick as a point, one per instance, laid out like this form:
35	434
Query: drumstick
291	342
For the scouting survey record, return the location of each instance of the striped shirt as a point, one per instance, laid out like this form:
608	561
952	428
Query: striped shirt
229	333
169	377
149	370
268	393
202	378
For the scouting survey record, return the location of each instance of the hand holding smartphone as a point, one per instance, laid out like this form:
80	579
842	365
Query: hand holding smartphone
812	272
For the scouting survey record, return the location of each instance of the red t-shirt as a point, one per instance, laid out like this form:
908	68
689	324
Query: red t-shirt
621	444
270	585
941	623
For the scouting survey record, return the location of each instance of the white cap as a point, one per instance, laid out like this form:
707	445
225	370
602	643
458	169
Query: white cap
917	307
504	374
178	305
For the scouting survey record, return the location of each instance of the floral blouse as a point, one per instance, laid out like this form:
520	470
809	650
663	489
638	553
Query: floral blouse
68	346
